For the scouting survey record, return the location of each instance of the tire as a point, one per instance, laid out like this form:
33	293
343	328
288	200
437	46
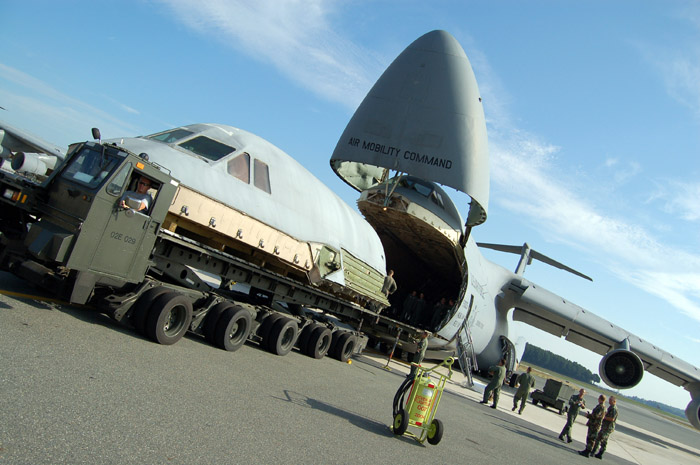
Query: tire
561	410
266	326
435	431
334	342
233	328
139	313
169	318
211	320
319	342
282	336
303	338
344	347
534	401
400	422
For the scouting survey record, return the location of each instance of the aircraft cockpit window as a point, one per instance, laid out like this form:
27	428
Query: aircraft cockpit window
207	148
170	136
261	176
437	199
239	167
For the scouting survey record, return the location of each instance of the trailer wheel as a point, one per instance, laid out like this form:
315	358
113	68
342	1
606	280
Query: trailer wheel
303	339
534	401
139	313
282	336
344	347
513	380
233	328
169	318
266	326
400	422
212	319
319	342
561	410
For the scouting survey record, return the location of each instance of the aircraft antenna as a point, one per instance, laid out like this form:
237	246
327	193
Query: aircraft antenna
527	254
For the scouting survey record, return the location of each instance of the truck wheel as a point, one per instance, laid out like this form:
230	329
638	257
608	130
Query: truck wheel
344	347
435	432
282	336
169	318
266	326
303	338
140	311
211	320
319	342
400	422
233	328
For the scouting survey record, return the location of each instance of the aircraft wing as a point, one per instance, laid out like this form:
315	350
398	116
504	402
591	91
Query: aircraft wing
14	140
547	311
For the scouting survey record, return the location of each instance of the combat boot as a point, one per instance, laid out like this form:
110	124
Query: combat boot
585	452
599	455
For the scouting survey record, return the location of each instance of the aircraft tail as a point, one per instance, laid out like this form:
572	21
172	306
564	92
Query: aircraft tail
527	255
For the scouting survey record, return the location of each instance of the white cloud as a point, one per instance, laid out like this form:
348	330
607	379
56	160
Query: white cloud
294	36
684	200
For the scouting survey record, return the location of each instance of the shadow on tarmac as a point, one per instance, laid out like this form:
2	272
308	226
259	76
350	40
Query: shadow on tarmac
654	440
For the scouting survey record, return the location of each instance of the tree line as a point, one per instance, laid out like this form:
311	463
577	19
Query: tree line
546	359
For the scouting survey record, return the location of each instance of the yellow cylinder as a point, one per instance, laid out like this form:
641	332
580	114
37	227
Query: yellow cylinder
421	400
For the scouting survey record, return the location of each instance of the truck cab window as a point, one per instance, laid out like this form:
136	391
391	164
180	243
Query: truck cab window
91	166
261	176
140	195
239	167
115	187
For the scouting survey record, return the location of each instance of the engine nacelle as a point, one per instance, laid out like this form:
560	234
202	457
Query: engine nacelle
34	163
621	369
692	412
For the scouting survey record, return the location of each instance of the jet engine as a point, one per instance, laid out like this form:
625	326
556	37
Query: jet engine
621	369
34	163
692	412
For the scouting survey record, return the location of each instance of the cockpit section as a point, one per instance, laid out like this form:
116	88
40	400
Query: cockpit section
420	229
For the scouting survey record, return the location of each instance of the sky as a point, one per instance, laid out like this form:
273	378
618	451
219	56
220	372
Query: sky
592	108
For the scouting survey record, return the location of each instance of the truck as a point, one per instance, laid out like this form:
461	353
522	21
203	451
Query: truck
82	234
556	394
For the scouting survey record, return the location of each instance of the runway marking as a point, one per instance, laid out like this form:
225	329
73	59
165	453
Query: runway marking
21	295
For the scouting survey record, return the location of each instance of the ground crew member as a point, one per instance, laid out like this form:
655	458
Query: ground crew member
389	286
606	428
494	386
595	418
575	404
422	347
526	382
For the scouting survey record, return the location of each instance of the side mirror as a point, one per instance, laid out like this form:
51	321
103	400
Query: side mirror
96	134
132	203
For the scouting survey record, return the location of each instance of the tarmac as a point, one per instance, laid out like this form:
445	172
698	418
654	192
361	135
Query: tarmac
644	447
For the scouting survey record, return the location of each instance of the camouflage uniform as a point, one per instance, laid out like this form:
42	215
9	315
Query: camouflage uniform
606	429
575	404
494	386
595	418
526	382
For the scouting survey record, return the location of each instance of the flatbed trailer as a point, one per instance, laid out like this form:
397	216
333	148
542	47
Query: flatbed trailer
69	235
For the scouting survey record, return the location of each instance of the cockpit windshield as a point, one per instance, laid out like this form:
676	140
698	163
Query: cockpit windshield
424	189
91	166
170	136
207	148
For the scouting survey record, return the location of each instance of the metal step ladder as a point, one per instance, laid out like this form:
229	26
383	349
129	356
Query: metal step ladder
466	355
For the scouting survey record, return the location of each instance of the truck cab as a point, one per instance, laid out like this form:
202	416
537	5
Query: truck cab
81	220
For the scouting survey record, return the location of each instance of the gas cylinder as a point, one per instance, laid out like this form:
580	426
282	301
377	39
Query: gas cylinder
421	400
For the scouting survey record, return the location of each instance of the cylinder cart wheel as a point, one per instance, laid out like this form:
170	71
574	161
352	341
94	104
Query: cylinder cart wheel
400	422
233	328
435	431
169	318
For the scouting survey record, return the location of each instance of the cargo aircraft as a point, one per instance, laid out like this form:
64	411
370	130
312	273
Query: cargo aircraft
421	126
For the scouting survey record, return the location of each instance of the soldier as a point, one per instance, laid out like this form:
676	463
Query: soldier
494	386
389	286
606	429
575	404
526	382
595	418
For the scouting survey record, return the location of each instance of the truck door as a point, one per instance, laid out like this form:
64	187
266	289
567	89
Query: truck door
125	244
